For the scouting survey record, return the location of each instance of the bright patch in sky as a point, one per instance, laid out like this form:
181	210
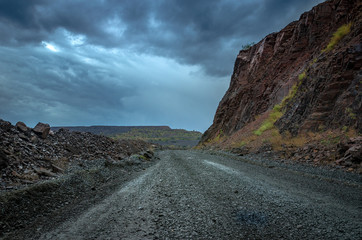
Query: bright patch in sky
74	39
49	46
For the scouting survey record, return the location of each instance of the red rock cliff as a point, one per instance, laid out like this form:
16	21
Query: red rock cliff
328	96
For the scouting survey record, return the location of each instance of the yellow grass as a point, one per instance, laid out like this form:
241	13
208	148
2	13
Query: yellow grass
337	36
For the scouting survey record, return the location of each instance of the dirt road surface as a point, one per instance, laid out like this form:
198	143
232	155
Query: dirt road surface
203	195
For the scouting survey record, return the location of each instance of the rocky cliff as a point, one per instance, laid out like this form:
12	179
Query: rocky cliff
305	78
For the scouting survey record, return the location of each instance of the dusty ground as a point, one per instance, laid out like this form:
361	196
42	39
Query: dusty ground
210	195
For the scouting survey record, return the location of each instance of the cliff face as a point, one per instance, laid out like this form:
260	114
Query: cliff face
328	92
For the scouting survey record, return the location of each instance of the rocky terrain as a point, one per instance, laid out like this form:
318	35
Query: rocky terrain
298	91
108	130
28	155
162	135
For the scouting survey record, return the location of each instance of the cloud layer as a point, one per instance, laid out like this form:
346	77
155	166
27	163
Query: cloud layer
77	62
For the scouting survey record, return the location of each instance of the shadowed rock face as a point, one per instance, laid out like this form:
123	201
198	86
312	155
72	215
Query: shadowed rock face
264	74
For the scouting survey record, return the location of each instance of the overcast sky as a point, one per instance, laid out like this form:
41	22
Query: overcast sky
127	62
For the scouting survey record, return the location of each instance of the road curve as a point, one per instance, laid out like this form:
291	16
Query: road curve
198	195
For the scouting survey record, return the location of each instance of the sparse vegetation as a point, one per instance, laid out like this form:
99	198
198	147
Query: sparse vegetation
344	128
331	140
275	114
351	114
277	111
277	140
290	95
242	144
218	137
337	36
247	46
321	128
165	136
302	76
284	141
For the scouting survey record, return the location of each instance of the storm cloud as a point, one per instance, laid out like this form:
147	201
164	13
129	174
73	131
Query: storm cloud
77	62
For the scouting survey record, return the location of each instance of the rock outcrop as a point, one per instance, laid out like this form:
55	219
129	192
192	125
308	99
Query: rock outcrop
317	87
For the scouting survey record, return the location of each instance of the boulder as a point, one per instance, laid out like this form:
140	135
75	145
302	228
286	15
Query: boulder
355	154
42	129
45	172
5	125
148	154
21	127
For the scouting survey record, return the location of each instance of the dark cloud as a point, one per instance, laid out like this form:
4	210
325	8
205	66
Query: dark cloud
20	13
74	62
192	32
49	80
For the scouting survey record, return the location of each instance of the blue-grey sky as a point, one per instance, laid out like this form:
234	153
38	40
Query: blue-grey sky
127	62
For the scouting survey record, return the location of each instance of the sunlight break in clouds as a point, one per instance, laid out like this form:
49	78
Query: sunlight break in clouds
49	46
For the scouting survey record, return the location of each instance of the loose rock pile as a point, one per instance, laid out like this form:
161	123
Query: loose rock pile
28	155
347	154
350	153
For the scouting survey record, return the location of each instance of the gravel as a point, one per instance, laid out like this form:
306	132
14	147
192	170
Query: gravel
214	195
32	209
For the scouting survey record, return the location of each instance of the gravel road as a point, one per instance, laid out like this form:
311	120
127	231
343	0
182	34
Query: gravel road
203	195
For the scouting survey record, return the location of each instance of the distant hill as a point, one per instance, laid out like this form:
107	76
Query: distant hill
109	130
162	135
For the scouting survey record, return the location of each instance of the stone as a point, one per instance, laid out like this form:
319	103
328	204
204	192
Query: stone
42	130
340	161
5	125
31	176
148	154
45	172
33	139
16	174
72	149
57	169
355	153
21	127
23	136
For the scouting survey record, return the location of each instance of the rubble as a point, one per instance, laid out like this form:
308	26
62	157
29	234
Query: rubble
347	154
350	153
29	155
